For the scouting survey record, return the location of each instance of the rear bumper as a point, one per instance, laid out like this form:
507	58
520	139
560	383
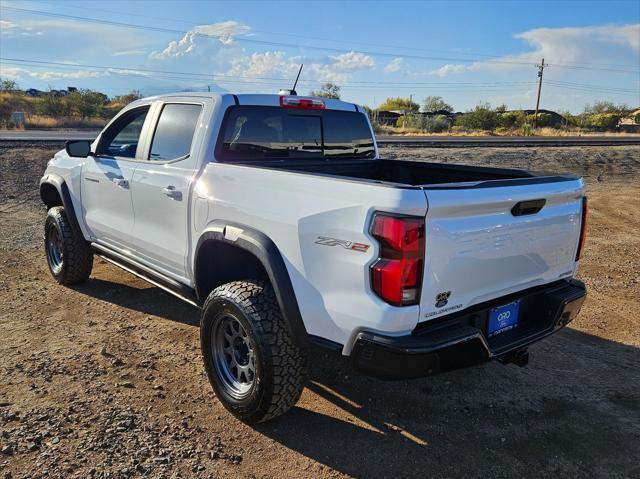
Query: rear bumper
460	340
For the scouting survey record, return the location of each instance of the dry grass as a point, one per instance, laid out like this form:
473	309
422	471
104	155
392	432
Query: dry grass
459	131
41	122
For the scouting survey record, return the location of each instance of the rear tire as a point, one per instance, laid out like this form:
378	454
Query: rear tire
69	256
254	366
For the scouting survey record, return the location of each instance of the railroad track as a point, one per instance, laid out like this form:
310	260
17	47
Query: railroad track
54	138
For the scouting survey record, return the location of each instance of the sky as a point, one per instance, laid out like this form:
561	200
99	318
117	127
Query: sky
464	51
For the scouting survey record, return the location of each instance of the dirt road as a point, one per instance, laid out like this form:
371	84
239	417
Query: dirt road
105	379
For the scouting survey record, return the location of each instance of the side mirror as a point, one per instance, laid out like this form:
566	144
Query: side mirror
78	148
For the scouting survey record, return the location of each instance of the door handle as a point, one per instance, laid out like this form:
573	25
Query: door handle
121	182
171	192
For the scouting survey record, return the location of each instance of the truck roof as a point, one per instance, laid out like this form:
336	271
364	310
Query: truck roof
263	99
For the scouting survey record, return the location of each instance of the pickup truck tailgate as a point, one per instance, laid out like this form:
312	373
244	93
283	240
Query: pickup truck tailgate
478	247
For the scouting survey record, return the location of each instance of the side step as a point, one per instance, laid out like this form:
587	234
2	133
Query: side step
167	284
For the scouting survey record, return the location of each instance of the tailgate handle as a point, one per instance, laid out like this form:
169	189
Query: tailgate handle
529	207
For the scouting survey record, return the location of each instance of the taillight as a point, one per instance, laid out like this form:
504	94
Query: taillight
397	275
583	227
302	103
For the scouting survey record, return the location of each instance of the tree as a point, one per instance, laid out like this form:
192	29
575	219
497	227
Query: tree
512	119
133	95
482	117
7	84
86	103
399	104
603	121
430	124
328	90
601	107
54	105
436	103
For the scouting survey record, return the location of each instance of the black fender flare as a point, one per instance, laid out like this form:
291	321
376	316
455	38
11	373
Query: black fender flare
265	250
63	190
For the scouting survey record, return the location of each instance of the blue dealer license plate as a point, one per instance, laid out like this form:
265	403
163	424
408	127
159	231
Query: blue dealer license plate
503	318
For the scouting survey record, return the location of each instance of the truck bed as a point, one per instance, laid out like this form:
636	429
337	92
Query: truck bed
407	173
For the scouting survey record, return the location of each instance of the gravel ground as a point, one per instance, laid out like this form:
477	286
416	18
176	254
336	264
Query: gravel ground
105	379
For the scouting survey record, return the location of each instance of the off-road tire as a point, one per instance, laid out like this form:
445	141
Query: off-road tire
280	364
76	260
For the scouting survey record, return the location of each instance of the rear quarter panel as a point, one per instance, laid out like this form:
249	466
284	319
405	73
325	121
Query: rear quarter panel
331	283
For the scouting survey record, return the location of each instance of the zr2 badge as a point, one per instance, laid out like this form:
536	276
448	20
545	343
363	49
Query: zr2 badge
350	245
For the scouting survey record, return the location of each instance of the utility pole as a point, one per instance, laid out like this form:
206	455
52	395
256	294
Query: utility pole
540	73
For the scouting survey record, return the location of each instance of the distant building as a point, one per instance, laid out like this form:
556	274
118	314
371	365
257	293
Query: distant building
630	123
391	117
387	117
35	93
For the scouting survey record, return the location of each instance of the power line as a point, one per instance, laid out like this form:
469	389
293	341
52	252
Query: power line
451	89
589	90
594	87
209	76
332	40
311	47
248	81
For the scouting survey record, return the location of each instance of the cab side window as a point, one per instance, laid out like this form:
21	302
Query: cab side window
174	133
122	138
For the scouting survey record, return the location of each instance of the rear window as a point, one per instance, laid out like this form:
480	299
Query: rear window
264	132
174	133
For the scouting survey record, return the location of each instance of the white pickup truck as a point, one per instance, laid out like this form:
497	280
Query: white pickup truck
276	217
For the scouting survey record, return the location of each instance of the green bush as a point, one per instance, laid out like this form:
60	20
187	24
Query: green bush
544	119
430	124
409	121
398	104
436	124
603	121
482	117
512	119
636	119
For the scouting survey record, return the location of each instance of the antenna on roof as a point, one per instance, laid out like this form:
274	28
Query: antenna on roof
297	78
293	90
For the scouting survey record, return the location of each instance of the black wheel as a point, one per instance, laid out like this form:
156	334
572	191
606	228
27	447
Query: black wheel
69	256
256	369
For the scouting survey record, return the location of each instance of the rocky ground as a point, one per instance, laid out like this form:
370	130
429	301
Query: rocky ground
105	379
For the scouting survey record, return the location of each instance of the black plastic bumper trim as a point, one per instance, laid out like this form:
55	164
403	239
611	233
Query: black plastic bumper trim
459	340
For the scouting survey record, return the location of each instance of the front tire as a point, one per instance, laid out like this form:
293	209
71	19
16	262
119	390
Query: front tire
69	256
254	366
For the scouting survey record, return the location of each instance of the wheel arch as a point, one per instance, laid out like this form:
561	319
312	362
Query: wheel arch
55	192
228	252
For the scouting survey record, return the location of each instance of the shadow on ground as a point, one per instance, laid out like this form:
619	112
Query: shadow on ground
574	411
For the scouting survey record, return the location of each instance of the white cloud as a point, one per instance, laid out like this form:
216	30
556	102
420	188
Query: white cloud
337	69
6	25
17	72
448	68
588	45
12	29
128	53
73	75
261	65
394	65
12	72
225	31
351	62
198	40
